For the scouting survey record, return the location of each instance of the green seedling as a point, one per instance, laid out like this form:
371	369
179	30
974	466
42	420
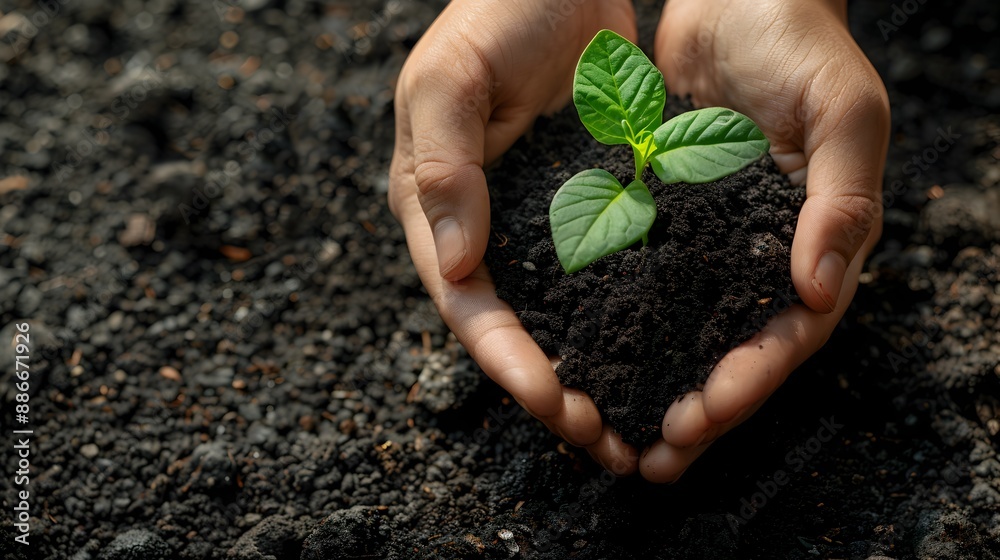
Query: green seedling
620	95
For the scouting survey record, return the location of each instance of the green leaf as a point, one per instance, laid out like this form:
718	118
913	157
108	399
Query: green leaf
706	145
592	216
616	82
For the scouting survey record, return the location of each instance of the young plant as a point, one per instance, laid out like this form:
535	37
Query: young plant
619	95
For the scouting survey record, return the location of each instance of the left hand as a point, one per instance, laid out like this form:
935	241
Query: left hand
472	85
791	66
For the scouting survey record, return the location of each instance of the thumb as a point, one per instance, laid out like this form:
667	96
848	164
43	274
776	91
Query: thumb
448	121
843	192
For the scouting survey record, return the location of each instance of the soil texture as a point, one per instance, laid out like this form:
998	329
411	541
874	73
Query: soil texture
263	378
638	329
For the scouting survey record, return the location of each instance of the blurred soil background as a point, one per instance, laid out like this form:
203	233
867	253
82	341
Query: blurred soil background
232	356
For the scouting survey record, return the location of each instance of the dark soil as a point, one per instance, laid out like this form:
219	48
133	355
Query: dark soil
266	379
639	328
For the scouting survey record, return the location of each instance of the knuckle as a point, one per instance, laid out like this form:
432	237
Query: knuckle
432	177
437	176
858	212
440	301
859	207
408	77
400	177
872	103
868	102
464	80
850	94
395	196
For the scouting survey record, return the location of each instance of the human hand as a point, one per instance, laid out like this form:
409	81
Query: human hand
791	66
473	84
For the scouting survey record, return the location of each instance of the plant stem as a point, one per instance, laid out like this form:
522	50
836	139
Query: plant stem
640	162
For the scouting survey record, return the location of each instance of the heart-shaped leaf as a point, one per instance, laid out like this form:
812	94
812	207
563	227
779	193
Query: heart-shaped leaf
592	216
706	145
616	82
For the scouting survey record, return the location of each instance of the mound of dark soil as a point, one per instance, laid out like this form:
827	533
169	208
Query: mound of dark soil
639	328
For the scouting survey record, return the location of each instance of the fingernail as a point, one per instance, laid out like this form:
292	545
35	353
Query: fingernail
829	277
449	239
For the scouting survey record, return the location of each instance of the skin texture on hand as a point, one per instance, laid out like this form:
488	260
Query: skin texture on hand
485	70
791	66
473	84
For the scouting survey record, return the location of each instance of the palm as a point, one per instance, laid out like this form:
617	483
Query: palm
758	65
793	68
476	81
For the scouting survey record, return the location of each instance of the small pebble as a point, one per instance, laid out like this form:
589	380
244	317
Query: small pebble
170	373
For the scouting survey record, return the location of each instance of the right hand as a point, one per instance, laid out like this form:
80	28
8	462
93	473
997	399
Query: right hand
793	67
472	86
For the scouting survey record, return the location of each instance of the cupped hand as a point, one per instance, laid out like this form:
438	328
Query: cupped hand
791	66
472	85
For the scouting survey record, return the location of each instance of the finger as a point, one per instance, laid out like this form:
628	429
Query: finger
846	148
578	421
485	325
755	369
448	115
677	54
694	425
613	454
663	463
667	462
685	424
